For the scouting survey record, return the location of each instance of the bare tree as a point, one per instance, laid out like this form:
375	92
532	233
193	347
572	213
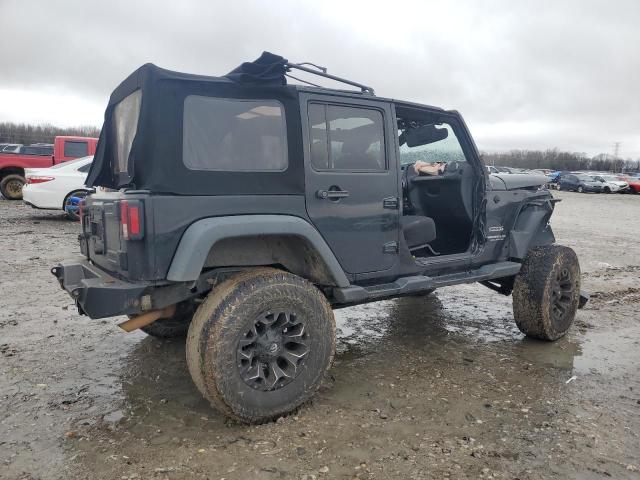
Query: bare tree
45	133
559	160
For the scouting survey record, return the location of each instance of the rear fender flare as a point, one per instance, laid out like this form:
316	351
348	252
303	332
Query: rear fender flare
201	236
531	228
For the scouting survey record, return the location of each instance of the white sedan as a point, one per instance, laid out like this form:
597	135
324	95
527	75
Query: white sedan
57	187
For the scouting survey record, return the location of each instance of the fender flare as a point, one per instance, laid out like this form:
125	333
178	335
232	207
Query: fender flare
531	228
200	236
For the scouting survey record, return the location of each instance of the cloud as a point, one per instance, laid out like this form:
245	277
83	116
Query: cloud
524	74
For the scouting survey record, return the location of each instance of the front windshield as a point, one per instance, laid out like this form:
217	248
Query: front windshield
443	151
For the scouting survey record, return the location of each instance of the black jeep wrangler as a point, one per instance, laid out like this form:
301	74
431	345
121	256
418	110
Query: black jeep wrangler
240	210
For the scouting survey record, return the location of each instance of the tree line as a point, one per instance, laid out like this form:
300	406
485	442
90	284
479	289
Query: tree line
558	160
45	133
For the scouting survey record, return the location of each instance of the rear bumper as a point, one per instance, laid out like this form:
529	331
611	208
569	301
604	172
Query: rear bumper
98	294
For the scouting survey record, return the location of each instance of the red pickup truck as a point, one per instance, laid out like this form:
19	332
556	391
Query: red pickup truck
12	165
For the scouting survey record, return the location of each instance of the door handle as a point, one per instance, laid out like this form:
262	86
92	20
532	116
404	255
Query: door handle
332	194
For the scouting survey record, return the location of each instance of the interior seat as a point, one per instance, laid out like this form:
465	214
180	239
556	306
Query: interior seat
418	231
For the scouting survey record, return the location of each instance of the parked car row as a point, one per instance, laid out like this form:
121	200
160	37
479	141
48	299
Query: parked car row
39	155
597	182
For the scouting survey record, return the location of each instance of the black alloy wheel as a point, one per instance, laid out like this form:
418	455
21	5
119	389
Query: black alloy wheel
562	296
271	353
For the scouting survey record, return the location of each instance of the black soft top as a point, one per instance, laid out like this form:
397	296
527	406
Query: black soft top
155	161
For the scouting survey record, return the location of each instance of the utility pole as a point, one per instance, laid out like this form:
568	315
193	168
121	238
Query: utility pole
616	149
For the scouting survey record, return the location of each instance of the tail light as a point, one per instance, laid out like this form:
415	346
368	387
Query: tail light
131	219
38	179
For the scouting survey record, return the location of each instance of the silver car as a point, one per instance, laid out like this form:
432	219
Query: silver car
612	184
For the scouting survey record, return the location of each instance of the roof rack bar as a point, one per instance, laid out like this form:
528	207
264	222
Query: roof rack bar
324	73
323	69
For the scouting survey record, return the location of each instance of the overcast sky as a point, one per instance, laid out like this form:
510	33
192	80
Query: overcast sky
532	74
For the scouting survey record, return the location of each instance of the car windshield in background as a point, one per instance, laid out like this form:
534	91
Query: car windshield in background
585	178
610	178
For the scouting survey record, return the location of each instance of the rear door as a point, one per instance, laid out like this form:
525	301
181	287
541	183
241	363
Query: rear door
352	186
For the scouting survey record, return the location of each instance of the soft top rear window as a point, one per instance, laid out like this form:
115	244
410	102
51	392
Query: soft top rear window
234	135
125	120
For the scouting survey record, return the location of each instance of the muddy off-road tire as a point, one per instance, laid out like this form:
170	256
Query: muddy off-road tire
260	344
11	186
546	292
175	326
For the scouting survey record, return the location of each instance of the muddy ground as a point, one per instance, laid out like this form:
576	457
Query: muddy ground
436	387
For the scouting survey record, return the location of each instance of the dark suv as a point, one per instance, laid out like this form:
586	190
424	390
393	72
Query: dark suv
242	210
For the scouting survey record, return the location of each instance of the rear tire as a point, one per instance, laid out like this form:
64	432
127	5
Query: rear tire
580	189
546	292
11	186
260	344
175	326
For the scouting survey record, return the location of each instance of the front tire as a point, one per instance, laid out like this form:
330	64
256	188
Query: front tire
11	186
580	189
260	344
546	292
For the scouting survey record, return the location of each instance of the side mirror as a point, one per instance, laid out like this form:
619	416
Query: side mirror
425	135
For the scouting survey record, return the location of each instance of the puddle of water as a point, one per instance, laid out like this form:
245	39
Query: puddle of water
610	352
467	310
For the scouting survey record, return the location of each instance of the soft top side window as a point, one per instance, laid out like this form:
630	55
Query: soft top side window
346	138
125	118
234	135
